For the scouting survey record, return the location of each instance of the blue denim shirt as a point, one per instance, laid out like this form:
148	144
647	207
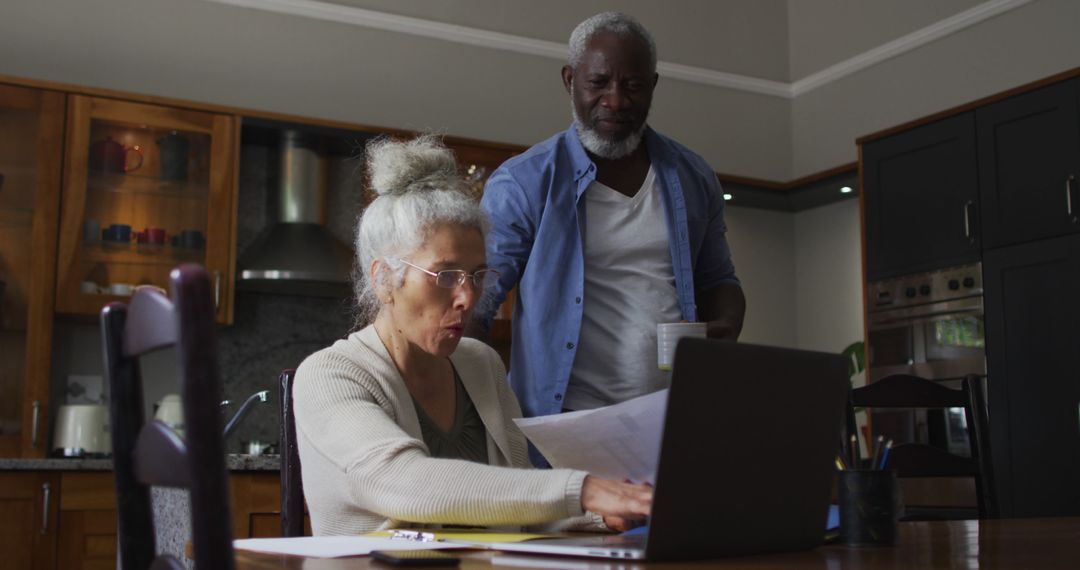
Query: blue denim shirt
538	224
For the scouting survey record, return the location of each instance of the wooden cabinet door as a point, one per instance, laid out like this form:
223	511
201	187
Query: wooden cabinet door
146	188
921	199
87	531
28	501
1033	366
31	145
256	504
1029	165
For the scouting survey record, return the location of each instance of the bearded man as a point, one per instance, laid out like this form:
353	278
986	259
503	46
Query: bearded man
607	229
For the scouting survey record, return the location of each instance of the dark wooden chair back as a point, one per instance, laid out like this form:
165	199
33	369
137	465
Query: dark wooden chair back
920	460
292	485
147	455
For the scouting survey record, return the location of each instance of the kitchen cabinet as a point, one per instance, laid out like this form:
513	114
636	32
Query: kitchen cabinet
86	533
31	146
67	519
1033	367
256	501
1029	165
921	199
146	187
28	501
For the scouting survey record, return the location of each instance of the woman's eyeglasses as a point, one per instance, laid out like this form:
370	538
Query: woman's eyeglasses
452	278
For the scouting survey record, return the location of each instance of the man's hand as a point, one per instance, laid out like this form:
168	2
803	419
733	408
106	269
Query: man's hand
723	309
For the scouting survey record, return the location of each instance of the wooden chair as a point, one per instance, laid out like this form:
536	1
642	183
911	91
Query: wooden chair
920	460
146	455
292	486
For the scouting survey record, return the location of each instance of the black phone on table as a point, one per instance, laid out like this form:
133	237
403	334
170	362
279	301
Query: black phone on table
415	557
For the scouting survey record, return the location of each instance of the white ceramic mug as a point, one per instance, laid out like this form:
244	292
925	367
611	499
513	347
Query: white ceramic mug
667	338
124	289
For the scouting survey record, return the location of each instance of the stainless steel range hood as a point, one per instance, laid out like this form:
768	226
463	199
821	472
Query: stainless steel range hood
298	255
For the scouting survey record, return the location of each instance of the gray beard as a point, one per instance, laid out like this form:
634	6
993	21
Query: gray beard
604	148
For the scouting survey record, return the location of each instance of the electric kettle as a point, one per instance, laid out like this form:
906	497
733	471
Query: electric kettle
82	431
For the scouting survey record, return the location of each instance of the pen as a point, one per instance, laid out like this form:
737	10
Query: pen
413	535
877	451
885	455
840	463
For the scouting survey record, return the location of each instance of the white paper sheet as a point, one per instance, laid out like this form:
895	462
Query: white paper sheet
334	546
615	442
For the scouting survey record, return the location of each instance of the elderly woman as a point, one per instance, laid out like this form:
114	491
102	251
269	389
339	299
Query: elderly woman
405	422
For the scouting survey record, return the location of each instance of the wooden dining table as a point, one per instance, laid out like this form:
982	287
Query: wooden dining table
1048	543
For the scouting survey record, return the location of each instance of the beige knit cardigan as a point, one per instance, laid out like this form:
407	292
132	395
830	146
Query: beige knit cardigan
365	466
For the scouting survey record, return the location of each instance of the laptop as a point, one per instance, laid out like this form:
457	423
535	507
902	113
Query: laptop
746	461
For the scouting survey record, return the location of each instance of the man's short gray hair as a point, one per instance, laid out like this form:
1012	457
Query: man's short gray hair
615	22
418	189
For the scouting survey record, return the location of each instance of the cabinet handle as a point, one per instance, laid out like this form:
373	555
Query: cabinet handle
967	221
1068	196
45	491
217	290
34	423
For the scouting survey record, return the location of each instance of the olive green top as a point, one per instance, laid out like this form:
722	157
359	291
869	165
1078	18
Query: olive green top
467	439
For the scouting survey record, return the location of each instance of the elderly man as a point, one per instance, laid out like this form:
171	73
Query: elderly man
607	229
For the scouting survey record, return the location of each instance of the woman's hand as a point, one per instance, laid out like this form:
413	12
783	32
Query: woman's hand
621	504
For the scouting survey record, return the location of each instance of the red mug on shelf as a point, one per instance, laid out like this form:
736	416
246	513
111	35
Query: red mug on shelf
154	236
111	156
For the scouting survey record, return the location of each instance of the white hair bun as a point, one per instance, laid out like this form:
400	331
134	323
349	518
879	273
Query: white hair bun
424	163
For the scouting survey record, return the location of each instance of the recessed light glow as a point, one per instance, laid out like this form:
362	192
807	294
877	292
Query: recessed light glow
846	190
728	196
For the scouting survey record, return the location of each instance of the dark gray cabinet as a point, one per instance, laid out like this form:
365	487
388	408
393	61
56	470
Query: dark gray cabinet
1033	374
1029	160
921	198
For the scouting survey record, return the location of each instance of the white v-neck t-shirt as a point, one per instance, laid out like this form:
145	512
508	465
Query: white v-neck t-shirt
629	288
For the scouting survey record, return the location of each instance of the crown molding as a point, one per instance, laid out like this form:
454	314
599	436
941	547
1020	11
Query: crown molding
327	11
906	43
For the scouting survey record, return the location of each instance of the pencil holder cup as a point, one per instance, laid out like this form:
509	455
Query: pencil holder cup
869	506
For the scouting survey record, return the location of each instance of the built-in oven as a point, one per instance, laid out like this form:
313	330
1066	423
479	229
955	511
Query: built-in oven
929	325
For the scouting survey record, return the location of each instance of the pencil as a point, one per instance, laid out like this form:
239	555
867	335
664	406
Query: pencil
885	455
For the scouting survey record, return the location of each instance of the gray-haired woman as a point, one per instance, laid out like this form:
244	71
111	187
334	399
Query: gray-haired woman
405	422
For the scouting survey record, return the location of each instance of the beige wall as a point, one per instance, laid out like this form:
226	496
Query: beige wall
762	247
828	277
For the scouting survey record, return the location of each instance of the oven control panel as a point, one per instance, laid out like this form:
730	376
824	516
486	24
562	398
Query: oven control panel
929	287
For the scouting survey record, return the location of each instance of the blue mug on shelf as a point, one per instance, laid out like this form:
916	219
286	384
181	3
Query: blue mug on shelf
190	239
117	232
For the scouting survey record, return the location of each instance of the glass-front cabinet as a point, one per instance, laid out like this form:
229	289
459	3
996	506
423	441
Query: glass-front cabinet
31	146
146	188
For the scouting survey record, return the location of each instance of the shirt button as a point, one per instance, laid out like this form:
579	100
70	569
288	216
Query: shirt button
558	397
570	345
577	299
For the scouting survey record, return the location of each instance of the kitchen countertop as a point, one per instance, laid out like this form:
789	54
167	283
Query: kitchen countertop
233	462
